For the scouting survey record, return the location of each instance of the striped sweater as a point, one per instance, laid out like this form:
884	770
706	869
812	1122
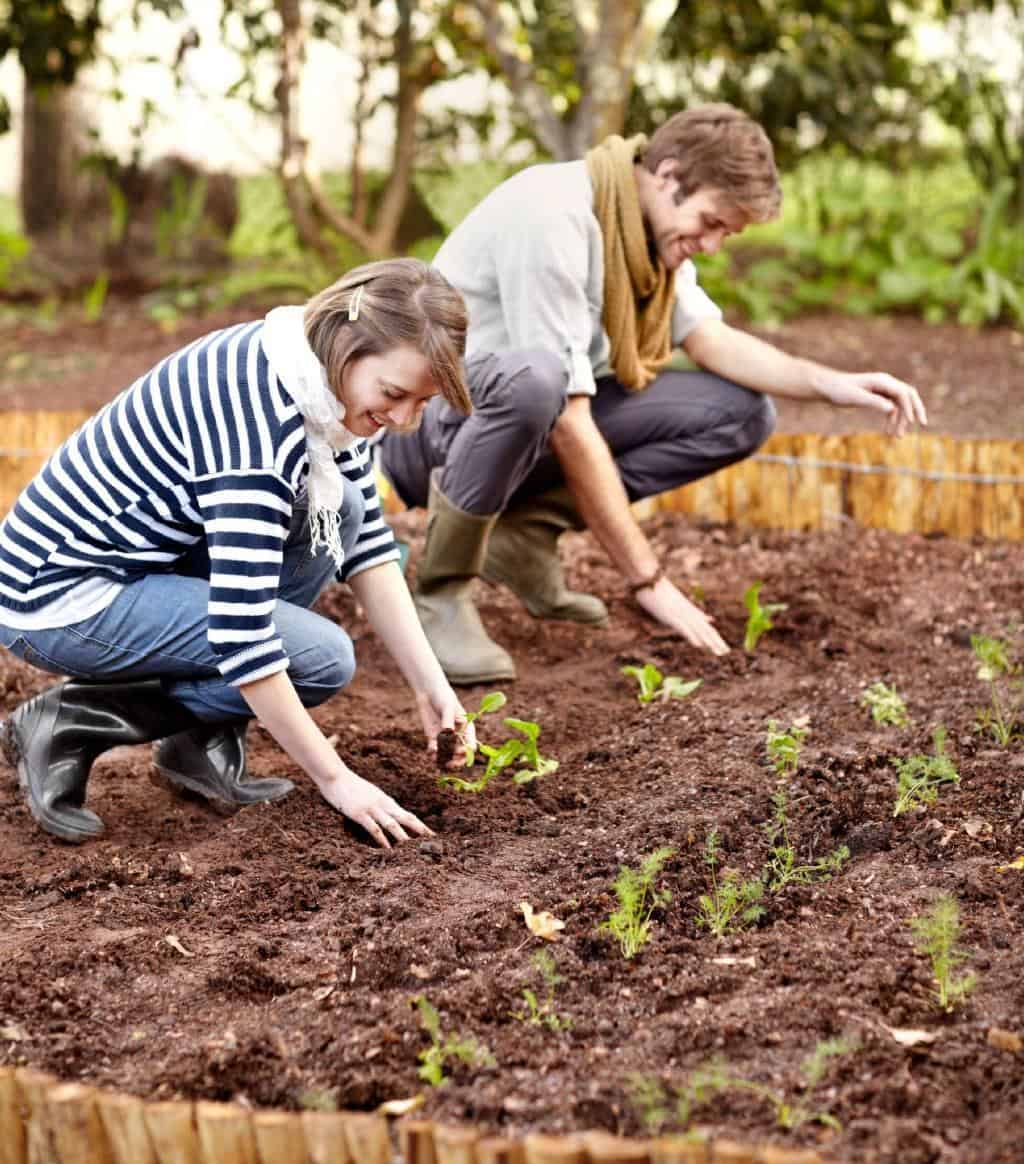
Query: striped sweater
207	445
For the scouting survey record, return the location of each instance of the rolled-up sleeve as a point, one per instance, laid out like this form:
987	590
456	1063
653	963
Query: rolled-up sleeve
693	304
542	267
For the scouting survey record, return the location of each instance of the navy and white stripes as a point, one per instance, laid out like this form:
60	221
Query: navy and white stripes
207	445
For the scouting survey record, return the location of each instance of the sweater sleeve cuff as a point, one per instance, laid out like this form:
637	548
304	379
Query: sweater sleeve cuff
254	662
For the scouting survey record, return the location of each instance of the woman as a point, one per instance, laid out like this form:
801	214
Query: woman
167	555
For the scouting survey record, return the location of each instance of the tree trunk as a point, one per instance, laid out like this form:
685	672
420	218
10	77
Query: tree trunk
50	143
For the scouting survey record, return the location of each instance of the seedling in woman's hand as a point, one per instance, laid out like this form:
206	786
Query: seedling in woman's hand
654	685
759	618
519	753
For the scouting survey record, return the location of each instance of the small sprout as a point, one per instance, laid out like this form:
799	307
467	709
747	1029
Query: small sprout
318	1099
638	899
654	685
921	777
732	903
781	868
759	618
886	705
783	748
444	1048
538	1013
1001	719
937	933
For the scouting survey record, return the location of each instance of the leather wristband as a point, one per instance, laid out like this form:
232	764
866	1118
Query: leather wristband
650	580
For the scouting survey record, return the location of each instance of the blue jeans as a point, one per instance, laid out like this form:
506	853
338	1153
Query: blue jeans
156	629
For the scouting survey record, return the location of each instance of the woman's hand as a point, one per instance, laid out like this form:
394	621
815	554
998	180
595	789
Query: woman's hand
372	808
441	709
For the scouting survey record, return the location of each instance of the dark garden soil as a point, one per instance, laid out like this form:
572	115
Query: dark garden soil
271	957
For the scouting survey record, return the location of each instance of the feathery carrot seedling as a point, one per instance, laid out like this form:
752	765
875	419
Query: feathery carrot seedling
631	923
654	685
921	777
782	869
759	618
732	902
997	668
543	1013
444	1048
886	705
937	933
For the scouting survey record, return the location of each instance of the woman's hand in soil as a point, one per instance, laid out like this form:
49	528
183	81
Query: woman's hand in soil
879	391
372	809
442	710
669	605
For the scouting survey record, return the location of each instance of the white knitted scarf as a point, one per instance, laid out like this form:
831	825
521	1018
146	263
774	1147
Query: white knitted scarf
303	377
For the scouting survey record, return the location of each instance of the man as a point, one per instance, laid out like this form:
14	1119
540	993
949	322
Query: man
579	281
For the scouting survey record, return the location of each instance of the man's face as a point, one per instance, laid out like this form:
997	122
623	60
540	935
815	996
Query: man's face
696	226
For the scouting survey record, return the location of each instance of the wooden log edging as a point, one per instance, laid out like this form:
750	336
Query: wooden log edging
46	1121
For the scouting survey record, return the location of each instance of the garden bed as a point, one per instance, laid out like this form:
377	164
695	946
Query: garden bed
271	957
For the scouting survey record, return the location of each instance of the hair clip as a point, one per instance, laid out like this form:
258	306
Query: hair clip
353	303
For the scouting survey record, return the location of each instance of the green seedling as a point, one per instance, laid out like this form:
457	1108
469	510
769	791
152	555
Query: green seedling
657	1105
630	924
522	754
542	1013
886	705
318	1099
444	1048
759	618
937	933
783	748
782	868
921	777
732	902
996	667
654	685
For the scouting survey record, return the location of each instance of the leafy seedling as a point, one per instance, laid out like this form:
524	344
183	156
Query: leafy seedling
886	705
937	933
444	1048
521	754
759	618
996	667
542	1013
654	685
783	748
732	902
920	777
630	924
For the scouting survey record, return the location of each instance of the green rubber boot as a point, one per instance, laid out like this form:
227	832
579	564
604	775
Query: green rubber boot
522	554
452	558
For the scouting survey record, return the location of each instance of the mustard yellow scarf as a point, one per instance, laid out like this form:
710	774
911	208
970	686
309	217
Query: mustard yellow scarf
639	293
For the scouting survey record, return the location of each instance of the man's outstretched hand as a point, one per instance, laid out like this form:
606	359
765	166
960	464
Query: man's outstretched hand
878	391
666	602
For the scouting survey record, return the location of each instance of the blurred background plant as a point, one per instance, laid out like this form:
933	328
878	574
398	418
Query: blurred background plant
899	128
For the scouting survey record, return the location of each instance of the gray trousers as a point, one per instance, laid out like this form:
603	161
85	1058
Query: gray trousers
684	426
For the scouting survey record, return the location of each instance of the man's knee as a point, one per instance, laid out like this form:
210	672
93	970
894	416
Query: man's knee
761	422
539	389
323	668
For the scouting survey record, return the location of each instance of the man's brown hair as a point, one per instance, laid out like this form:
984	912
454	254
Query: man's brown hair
721	148
390	304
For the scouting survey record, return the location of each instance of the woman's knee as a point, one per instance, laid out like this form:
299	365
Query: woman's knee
324	667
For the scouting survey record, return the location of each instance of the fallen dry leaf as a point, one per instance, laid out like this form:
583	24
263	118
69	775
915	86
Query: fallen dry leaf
420	972
1004	1040
542	925
401	1107
1017	863
975	826
323	992
13	1034
729	960
173	942
910	1038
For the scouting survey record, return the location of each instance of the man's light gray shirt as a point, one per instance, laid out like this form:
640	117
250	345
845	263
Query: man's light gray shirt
529	261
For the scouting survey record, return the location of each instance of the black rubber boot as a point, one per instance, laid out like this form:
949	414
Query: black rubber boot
210	760
53	739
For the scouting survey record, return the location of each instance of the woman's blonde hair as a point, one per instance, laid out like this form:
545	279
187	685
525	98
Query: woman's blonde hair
721	148
390	304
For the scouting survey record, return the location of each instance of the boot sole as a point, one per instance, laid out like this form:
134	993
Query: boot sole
10	747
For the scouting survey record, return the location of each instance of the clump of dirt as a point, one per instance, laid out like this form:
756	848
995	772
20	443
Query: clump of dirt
304	945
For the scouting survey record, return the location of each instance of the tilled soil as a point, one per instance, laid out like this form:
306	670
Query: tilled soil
272	957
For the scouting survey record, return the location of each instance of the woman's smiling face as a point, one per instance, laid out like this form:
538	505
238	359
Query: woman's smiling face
386	391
